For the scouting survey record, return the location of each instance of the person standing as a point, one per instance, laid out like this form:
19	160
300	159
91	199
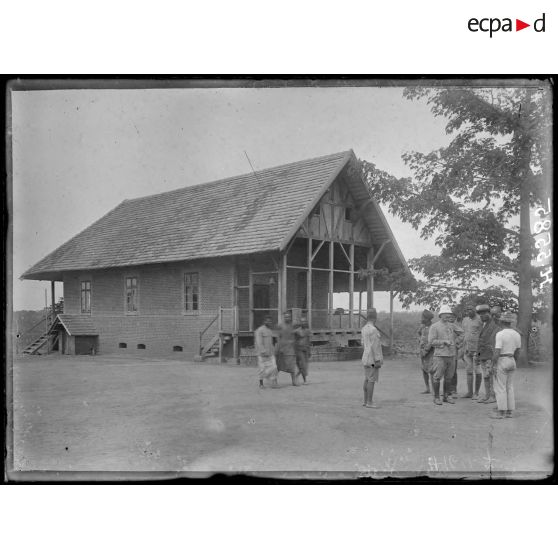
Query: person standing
372	358
458	346
444	336
485	352
267	367
507	345
472	326
285	350
426	350
302	348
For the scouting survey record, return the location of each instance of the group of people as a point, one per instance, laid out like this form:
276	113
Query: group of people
291	353
485	340
487	343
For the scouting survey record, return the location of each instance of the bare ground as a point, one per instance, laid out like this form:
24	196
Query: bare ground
102	413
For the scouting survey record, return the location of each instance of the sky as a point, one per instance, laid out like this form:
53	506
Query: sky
78	153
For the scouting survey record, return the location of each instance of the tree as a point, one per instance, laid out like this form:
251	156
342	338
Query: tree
474	196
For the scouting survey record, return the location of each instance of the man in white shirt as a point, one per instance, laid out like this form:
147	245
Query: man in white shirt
267	367
372	358
507	347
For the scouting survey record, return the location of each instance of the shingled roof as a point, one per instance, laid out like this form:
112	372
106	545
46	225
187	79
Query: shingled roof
77	324
239	215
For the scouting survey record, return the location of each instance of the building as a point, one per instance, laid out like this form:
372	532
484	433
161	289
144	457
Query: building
195	270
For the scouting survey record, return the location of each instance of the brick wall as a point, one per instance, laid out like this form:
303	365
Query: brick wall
160	323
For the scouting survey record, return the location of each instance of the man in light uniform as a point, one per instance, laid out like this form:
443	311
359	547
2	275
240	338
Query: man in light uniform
372	358
472	326
506	352
426	350
458	347
485	352
267	368
444	336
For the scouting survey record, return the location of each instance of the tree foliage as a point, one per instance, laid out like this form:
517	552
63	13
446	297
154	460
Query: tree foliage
468	196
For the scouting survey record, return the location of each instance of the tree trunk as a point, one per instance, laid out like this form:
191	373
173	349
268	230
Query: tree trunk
523	153
525	283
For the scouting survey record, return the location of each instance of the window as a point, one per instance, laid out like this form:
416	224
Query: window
132	294
86	297
191	292
348	212
316	210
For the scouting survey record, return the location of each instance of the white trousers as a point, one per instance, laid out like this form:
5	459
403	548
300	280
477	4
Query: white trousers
503	384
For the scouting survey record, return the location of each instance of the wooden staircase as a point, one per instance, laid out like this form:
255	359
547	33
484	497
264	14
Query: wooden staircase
39	343
211	348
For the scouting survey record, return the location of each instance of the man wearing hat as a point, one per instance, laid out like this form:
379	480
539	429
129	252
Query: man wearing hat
444	336
472	326
485	351
426	350
372	358
507	346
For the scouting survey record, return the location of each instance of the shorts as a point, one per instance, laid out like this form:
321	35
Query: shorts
371	373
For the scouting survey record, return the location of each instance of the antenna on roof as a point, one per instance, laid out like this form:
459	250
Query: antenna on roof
250	163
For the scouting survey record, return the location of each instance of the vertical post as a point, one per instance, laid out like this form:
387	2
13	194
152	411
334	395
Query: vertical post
330	297
46	312
221	344
220	319
351	284
370	279
359	306
52	299
391	297
250	297
309	282
282	286
46	322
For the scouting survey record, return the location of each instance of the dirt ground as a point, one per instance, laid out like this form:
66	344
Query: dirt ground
119	414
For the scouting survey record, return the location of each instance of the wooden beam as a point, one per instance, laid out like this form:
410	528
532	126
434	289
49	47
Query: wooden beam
370	279
325	221
309	284
315	253
380	250
340	218
283	283
330	305
52	299
290	245
345	252
351	283
250	296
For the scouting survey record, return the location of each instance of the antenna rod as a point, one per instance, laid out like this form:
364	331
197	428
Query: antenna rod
255	174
